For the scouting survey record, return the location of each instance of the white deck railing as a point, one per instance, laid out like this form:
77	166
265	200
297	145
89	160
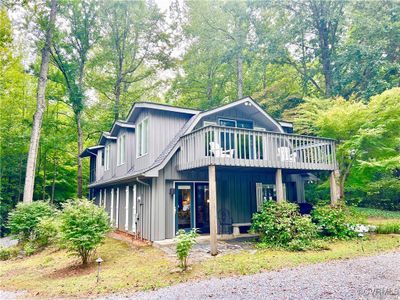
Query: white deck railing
254	148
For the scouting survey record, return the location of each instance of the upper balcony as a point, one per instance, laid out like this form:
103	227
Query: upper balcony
226	146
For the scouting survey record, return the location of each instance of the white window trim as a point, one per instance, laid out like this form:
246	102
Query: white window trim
112	206
105	198
127	200
107	155
117	210
121	149
139	137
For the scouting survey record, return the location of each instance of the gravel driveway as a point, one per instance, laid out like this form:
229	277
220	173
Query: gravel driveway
373	277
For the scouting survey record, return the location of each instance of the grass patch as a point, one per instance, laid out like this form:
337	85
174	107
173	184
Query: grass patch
388	228
379	217
53	273
378	213
264	260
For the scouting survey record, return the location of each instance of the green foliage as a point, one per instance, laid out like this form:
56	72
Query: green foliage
335	221
30	248
7	253
383	194
83	227
24	219
280	224
47	231
378	213
388	228
184	243
368	131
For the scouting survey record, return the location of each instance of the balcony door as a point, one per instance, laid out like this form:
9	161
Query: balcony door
244	143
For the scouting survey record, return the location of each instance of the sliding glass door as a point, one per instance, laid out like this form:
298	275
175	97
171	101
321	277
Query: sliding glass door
192	206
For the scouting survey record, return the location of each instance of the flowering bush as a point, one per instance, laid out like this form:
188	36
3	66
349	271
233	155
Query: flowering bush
335	221
280	224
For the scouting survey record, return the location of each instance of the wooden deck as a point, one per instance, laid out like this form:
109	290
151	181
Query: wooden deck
225	146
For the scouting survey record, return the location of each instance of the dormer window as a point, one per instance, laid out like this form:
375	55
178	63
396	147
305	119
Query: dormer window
121	150
107	157
142	138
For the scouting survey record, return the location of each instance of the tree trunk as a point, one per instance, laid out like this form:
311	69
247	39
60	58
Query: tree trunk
239	76
53	184
40	106
264	80
44	175
80	149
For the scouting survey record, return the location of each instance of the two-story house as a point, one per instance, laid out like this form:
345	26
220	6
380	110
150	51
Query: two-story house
167	168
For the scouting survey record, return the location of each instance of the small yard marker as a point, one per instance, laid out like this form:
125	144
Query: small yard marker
99	261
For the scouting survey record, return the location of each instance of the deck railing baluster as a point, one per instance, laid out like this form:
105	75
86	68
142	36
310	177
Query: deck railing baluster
255	148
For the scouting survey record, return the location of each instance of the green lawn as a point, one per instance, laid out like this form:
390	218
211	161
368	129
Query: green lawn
53	273
378	216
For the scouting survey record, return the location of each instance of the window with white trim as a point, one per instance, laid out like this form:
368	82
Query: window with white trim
142	138
121	150
107	157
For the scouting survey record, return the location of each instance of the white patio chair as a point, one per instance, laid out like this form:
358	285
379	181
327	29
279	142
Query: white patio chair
285	154
218	151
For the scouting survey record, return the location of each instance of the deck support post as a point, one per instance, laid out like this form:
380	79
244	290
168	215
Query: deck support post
280	197
334	185
213	208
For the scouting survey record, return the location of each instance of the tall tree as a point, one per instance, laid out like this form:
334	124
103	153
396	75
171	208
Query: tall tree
135	45
70	55
316	27
40	106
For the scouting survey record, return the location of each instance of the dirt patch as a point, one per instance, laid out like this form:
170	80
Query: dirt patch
129	238
73	271
16	271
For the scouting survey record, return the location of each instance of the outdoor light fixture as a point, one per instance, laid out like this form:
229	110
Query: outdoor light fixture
247	103
99	261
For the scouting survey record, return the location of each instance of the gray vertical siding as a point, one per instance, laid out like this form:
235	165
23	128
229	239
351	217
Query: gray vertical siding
163	126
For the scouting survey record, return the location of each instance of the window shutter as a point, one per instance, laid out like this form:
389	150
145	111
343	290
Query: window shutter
100	200
117	210
259	195
112	206
126	207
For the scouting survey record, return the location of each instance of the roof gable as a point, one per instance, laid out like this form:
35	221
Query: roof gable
247	101
138	106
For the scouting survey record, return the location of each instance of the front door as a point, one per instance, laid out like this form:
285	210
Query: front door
192	206
202	207
184	206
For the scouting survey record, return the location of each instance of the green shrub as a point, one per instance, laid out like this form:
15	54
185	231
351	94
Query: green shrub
383	194
388	228
184	243
29	248
23	220
47	231
280	224
5	253
83	227
335	221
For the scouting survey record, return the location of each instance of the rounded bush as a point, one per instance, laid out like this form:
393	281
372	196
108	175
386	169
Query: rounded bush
83	227
281	224
334	221
23	220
